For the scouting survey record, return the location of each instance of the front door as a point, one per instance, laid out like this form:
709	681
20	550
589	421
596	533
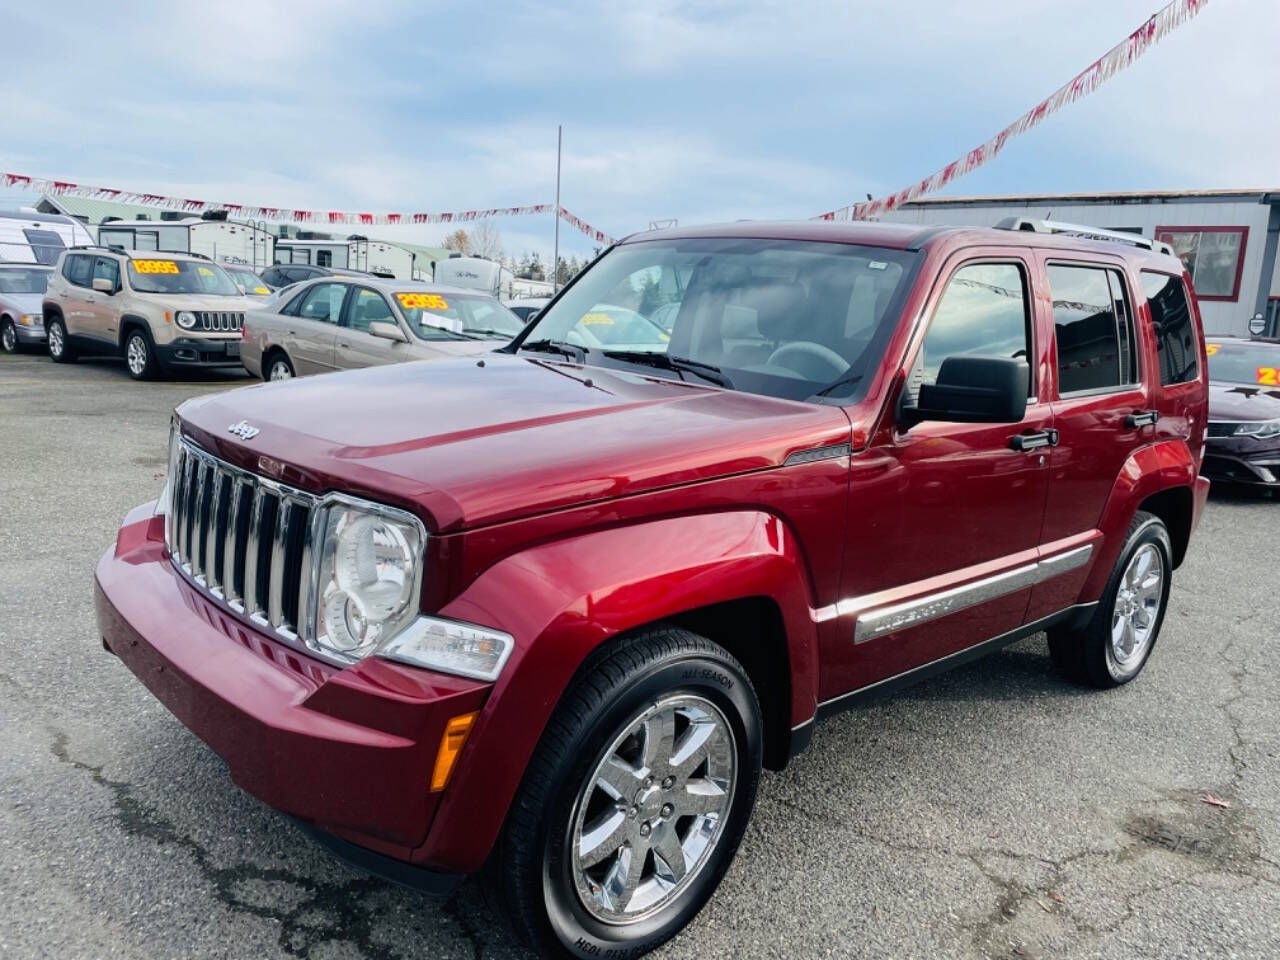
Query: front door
1098	408
356	346
104	321
944	518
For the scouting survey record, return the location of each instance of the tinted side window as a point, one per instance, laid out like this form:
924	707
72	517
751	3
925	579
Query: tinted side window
1175	334
323	302
368	306
1093	329
983	312
107	269
78	269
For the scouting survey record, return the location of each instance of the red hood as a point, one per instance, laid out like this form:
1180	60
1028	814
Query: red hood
464	445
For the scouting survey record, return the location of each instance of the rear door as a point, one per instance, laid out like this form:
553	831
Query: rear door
952	564
311	333
356	346
1101	407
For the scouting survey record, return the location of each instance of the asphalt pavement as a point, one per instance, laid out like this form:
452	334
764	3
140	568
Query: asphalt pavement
993	812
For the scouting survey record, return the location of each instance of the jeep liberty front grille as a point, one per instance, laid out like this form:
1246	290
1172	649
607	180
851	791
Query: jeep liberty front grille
242	539
215	321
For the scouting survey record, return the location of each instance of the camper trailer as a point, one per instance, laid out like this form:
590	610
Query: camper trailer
27	237
378	257
476	273
227	241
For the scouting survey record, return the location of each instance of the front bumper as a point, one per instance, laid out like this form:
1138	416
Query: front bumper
1244	461
348	751
31	333
197	352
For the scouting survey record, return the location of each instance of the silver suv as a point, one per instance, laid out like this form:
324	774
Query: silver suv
157	310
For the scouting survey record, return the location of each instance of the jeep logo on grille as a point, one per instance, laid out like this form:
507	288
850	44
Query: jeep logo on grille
244	430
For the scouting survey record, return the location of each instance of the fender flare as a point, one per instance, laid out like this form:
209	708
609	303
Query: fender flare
564	599
1164	465
130	320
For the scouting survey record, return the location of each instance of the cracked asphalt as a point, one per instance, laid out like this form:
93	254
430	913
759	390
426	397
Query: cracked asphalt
995	812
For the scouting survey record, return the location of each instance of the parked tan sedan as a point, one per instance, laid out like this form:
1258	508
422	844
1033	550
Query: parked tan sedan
339	323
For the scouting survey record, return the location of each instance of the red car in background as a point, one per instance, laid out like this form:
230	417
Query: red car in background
1243	445
550	611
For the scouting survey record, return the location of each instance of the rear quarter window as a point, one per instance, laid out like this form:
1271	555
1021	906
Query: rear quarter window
1174	330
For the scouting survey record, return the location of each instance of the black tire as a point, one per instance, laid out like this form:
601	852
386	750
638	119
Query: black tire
140	354
530	874
9	336
270	361
1087	656
60	348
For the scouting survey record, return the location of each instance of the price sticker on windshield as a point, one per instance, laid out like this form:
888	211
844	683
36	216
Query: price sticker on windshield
153	266
1269	376
422	301
1211	348
205	271
596	320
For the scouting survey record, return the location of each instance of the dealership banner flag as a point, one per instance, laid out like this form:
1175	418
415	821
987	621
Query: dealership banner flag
65	188
1119	57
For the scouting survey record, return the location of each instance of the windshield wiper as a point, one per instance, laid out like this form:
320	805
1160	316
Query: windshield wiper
666	361
842	382
571	350
489	332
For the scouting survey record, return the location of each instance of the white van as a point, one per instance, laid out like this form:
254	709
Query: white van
476	273
39	237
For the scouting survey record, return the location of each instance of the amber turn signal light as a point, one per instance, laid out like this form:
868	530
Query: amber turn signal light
455	735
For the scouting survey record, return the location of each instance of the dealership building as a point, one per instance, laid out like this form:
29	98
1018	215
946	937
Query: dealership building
1227	238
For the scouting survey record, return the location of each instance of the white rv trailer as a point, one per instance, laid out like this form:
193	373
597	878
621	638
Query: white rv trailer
378	257
227	241
476	273
522	289
27	237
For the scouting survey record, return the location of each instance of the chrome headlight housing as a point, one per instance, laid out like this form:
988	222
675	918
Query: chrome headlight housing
186	319
368	577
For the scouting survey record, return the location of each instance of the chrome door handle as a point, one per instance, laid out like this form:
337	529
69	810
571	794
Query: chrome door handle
1142	418
1034	440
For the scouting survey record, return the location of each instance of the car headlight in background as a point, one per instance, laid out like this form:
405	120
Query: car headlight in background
1262	430
186	319
32	319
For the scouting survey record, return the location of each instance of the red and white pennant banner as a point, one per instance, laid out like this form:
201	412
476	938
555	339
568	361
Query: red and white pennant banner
1097	73
286	214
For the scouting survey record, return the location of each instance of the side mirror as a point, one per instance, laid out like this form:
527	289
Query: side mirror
103	285
387	331
531	316
242	288
973	390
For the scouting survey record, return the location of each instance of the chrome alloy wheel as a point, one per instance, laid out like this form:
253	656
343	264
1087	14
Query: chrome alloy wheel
55	339
10	336
654	809
280	371
135	353
1137	607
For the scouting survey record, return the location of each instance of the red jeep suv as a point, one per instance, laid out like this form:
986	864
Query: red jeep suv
550	611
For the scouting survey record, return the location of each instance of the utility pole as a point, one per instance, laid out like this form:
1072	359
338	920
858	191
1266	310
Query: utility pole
555	257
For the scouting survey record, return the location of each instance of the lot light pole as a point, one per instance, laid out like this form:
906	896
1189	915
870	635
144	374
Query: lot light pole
555	255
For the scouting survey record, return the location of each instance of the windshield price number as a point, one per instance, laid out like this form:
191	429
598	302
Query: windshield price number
596	320
422	301
1211	348
1269	376
153	266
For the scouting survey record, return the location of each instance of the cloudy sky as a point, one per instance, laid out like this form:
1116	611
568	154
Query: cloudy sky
697	111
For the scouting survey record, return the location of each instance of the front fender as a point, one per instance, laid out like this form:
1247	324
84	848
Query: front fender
1164	465
562	600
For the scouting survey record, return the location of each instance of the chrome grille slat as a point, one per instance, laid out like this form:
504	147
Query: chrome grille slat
219	321
230	542
244	540
252	549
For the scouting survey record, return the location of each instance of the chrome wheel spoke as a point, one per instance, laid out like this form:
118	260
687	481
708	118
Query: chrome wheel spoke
603	838
696	742
623	878
659	740
619	779
668	852
702	797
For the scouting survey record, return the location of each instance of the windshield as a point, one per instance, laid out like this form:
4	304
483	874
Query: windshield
251	282
1254	363
23	280
782	318
432	316
180	276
